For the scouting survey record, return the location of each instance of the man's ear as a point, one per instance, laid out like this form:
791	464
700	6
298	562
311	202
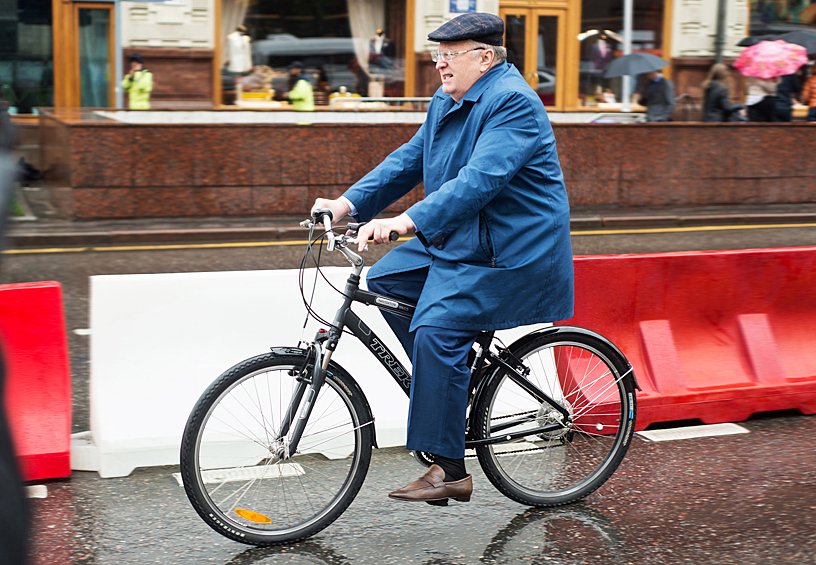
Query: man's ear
486	59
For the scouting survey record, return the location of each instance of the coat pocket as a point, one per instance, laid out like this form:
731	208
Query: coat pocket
486	239
463	244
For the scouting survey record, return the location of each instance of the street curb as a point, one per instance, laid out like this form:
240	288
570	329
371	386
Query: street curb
119	237
156	236
696	220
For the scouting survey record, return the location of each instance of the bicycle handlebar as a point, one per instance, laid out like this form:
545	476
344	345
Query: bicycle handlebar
325	216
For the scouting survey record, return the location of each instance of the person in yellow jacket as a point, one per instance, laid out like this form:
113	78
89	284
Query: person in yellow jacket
301	94
138	83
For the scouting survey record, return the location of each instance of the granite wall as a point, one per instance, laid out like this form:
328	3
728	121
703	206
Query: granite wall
107	169
134	171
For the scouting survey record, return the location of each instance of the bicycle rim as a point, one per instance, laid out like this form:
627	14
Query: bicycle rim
564	465
237	482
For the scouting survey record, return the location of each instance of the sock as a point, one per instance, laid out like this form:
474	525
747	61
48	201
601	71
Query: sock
454	468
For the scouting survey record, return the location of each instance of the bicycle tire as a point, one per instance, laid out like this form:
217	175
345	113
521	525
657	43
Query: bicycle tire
231	474
583	373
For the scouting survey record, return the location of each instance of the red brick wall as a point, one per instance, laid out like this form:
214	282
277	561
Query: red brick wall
119	170
122	171
687	164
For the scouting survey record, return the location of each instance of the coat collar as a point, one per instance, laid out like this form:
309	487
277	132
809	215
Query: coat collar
475	92
485	82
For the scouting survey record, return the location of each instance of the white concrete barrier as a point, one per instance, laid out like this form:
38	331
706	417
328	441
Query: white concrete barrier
157	342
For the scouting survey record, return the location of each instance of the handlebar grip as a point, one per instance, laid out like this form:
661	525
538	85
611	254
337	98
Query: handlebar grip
392	236
320	212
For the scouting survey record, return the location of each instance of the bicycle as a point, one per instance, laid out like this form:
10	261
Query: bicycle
278	446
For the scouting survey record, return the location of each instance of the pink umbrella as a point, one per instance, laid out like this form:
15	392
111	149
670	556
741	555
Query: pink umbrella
768	59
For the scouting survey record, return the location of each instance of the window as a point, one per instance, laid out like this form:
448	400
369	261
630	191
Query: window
26	55
602	41
780	16
342	43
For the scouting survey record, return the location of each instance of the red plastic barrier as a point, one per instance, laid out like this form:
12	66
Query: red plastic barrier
38	382
714	335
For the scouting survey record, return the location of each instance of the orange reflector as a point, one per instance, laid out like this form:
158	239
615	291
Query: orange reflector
252	516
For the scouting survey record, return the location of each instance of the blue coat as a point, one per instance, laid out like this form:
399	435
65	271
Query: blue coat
494	224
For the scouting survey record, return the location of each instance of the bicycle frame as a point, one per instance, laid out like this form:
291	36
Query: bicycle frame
346	318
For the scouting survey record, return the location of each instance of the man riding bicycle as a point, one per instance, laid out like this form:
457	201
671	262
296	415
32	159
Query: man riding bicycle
492	247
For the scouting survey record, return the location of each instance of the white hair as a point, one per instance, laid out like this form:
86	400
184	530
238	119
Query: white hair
499	52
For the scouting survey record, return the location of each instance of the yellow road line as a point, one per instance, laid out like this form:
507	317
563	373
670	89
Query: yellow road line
688	229
208	245
240	244
48	250
198	245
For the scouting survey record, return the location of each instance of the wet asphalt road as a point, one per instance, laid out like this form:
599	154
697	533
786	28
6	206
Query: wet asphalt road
739	499
742	499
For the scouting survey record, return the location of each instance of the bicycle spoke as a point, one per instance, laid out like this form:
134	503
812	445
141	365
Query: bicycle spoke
558	465
256	492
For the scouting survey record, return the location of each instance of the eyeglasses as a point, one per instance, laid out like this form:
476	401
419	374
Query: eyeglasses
448	56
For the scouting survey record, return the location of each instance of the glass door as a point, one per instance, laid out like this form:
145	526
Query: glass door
535	45
94	33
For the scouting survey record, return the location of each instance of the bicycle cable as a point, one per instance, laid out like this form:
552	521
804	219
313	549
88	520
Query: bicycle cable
318	271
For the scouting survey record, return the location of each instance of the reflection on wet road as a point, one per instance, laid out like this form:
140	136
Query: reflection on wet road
740	499
743	499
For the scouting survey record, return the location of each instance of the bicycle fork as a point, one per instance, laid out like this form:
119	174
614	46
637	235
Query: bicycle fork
321	364
308	386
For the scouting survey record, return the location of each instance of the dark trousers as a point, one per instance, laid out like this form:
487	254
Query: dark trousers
440	379
811	117
783	112
762	111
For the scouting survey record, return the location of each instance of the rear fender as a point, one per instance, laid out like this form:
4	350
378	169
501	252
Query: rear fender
524	340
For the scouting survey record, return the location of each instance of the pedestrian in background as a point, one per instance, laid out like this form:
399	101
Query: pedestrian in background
138	83
14	511
300	89
789	89
717	106
658	97
761	99
809	96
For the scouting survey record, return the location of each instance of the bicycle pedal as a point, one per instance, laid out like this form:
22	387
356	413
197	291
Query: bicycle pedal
443	502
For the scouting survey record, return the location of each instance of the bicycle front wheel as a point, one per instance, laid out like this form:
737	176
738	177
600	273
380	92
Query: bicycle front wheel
583	374
230	453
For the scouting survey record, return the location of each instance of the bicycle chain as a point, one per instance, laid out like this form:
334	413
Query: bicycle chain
512	415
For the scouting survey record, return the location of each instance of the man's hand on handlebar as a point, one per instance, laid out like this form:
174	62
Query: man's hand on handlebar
339	208
379	231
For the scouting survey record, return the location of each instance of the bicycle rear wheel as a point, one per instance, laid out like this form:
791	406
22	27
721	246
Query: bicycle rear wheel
583	373
229	453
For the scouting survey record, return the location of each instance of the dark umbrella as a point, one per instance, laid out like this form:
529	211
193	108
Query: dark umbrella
754	39
634	64
805	38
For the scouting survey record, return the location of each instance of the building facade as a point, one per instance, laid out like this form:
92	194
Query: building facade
74	53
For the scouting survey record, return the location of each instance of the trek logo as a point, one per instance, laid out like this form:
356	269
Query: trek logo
390	362
385	302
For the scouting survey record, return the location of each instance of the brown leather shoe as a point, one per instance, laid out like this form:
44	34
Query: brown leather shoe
431	487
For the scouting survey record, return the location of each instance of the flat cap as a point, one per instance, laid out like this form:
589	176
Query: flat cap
484	28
